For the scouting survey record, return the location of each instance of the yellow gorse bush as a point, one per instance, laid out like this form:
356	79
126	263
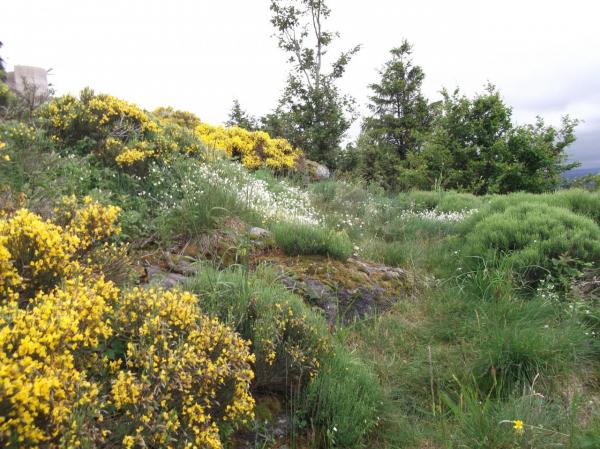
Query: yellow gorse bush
95	116
93	223
44	350
184	372
35	254
122	133
252	148
174	377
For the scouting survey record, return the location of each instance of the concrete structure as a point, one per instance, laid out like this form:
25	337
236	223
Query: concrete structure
29	82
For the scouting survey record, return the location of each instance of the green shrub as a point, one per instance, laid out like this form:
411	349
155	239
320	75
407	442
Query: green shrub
418	200
456	202
530	236
578	201
288	337
344	401
303	239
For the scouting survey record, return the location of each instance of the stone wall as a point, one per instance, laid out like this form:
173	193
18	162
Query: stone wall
29	82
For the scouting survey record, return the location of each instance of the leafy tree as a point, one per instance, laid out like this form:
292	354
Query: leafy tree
401	116
5	94
2	67
474	146
239	117
312	114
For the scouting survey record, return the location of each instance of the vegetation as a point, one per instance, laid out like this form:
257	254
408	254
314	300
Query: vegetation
167	283
312	114
302	239
401	117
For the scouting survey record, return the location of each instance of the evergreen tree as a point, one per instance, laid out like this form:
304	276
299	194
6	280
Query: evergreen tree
239	117
400	111
400	118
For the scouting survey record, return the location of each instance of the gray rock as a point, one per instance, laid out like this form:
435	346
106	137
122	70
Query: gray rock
321	172
259	233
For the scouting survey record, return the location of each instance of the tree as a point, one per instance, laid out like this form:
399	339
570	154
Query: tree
239	117
312	114
474	146
5	94
400	118
400	111
2	68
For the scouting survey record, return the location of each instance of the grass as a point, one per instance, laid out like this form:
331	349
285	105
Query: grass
304	239
343	402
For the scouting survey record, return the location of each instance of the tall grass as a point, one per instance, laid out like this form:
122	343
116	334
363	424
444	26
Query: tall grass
304	239
343	401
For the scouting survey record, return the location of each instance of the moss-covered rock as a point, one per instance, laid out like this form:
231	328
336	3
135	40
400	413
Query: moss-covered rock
344	290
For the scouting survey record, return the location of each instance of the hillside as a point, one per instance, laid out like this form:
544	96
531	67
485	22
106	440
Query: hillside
166	283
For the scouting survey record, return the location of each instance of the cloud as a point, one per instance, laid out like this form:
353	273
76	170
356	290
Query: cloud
586	149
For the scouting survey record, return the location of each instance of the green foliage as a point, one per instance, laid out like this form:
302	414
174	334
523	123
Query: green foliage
530	236
304	239
343	401
312	114
239	117
474	146
288	337
401	117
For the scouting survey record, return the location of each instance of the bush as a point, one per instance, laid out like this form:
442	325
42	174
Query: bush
157	393
530	236
45	349
288	337
302	239
252	148
123	135
83	365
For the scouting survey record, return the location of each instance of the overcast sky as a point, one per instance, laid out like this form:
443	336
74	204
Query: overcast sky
198	55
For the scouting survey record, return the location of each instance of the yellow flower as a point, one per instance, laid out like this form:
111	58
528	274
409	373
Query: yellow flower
6	157
518	425
128	441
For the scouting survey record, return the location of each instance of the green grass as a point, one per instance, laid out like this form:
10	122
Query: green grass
530	236
264	312
343	401
304	239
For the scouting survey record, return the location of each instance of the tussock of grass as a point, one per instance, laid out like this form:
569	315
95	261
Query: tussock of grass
303	239
344	400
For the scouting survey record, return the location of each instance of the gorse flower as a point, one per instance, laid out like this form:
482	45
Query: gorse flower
74	348
252	148
123	134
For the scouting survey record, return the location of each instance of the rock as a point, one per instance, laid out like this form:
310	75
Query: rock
344	291
315	171
166	280
259	233
322	172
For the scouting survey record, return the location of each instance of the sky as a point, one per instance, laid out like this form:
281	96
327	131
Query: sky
198	55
